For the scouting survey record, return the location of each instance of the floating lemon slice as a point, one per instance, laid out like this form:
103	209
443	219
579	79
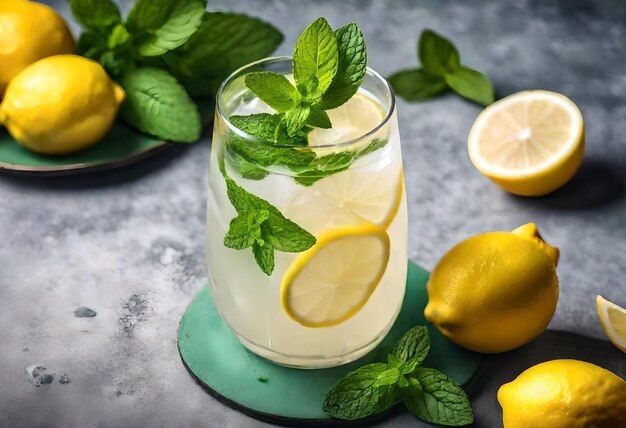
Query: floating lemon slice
613	319
347	199
529	143
350	121
332	281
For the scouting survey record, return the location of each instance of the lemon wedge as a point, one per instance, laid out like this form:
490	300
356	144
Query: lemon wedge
529	143
352	120
330	282
348	198
613	319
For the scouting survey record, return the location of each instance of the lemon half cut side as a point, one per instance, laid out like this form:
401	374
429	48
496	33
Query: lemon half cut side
529	143
334	279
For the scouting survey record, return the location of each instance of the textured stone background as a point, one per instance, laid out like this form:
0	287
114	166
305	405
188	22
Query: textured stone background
129	243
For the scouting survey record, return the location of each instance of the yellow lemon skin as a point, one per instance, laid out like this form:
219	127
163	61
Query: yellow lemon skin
547	181
29	31
564	394
496	291
60	104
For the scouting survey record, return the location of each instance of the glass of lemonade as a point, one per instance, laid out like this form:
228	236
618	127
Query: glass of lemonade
335	301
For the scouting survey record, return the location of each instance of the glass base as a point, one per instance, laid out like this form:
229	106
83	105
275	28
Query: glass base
316	361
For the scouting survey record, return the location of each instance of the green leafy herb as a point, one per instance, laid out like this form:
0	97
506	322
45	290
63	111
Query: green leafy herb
163	25
364	392
441	70
261	226
196	48
157	104
415	344
316	54
427	393
352	56
437	399
272	88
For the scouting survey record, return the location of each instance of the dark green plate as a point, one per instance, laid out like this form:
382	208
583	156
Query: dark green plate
121	146
229	372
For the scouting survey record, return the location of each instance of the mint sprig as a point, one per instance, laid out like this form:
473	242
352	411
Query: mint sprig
427	393
441	70
262	226
193	50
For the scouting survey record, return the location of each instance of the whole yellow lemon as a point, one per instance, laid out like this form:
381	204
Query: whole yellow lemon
60	104
564	394
496	291
29	31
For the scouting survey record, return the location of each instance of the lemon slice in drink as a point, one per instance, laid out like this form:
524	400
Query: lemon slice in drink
613	319
352	120
348	198
529	143
330	282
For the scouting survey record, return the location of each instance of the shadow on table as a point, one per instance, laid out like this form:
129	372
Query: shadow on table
598	182
103	177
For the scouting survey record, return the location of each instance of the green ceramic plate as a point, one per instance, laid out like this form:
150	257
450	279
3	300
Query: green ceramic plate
121	146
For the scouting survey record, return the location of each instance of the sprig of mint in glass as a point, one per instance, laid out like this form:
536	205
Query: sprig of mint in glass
427	393
328	68
441	70
167	51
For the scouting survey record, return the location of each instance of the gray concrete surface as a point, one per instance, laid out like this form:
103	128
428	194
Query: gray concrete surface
129	243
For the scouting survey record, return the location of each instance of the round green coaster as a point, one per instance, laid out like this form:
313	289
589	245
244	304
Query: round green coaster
264	390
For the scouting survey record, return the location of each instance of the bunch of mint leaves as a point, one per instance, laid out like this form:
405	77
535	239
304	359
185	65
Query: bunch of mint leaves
168	55
427	393
441	70
262	226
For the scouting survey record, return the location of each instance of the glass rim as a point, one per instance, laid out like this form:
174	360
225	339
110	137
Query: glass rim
251	137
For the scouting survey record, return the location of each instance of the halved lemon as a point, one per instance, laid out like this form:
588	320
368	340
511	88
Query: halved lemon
348	198
352	120
529	143
330	282
613	319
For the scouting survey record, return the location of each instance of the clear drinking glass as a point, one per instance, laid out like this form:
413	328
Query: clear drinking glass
363	198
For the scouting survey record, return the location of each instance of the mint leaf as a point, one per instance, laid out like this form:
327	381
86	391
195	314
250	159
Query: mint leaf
91	44
96	15
296	118
119	36
316	54
264	256
158	105
319	119
437	54
223	43
437	399
309	89
324	166
163	25
471	84
267	229
267	155
363	392
376	144
409	366
261	125
352	64
417	85
414	344
272	88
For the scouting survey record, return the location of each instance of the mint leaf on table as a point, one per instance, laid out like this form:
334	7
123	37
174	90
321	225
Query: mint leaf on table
369	390
417	85
223	43
273	89
315	54
471	84
163	25
437	399
437	54
158	105
415	344
262	226
352	64
96	15
441	70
